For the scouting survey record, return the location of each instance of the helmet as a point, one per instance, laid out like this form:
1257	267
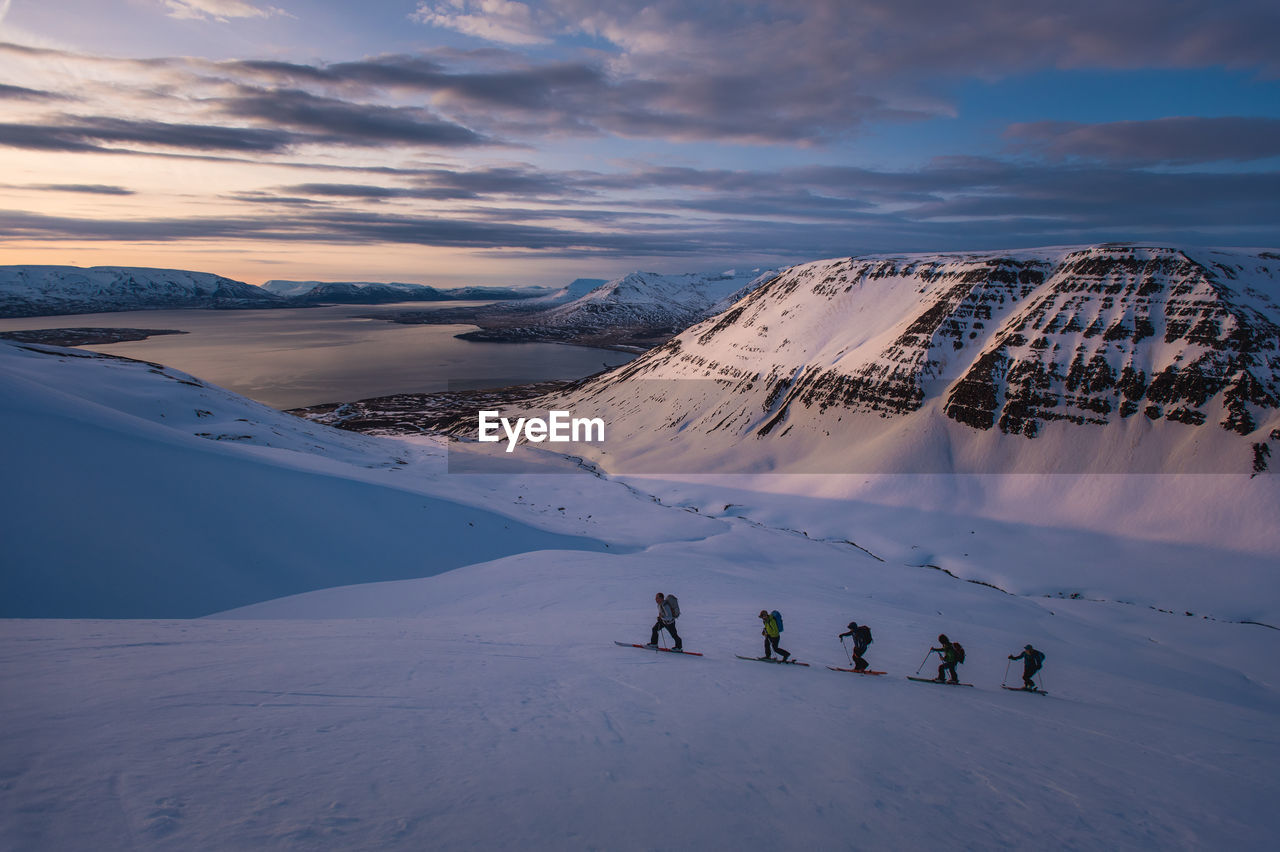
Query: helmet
942	637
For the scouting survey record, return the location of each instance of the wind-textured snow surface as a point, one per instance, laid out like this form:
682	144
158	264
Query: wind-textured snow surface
485	706
51	290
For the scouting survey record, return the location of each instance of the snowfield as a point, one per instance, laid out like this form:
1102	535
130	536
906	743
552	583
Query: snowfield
328	702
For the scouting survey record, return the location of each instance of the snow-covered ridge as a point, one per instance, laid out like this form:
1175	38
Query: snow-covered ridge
53	290
1110	357
58	290
374	292
635	311
650	298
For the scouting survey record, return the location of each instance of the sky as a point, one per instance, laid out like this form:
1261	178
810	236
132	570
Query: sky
457	142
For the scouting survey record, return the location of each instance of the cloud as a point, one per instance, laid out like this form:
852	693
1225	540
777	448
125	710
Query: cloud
526	87
89	133
442	184
345	123
789	215
217	10
502	21
1173	141
89	188
21	93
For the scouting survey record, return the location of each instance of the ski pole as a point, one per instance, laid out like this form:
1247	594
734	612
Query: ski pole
846	651
1004	681
925	660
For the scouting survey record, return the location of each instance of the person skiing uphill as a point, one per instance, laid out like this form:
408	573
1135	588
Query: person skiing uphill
666	621
1032	662
951	655
770	634
861	639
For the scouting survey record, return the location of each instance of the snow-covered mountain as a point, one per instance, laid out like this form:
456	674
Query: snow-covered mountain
55	290
374	292
1111	358
636	310
653	300
52	290
575	289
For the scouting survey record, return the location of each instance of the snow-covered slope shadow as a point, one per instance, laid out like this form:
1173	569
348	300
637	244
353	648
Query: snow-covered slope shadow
131	491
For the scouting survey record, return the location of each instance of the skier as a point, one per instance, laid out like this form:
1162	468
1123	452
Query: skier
770	634
861	639
1032	662
951	655
666	621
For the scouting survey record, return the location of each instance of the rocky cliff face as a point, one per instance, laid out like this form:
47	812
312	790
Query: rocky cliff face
1118	332
1147	358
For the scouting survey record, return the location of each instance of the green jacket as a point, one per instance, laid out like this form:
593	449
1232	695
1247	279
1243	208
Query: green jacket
770	627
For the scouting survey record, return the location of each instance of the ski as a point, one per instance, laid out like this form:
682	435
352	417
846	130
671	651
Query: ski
1023	689
934	680
648	648
855	671
771	660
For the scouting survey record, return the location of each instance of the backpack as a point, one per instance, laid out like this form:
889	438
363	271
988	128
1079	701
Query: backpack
863	635
1039	659
959	651
777	619
674	604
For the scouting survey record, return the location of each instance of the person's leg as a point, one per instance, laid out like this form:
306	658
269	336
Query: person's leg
769	644
653	636
858	662
951	667
942	672
671	628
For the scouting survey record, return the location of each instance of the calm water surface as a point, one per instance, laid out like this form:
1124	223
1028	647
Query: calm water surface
288	358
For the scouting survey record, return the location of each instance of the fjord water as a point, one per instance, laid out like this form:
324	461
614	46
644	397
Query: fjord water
295	357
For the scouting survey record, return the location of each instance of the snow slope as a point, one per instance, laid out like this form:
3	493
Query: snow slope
133	490
488	708
50	290
485	705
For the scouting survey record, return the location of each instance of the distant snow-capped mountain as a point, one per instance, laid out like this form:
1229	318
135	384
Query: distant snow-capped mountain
375	292
636	310
55	290
1105	358
575	289
51	290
